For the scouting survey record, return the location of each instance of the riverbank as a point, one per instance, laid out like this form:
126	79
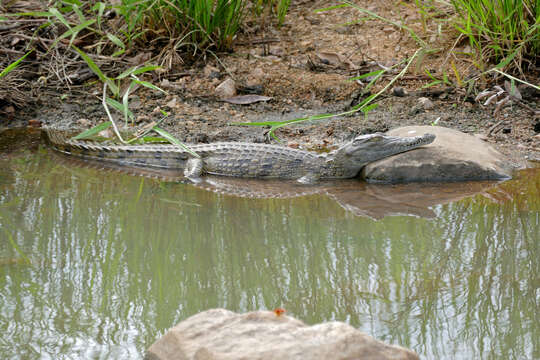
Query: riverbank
305	67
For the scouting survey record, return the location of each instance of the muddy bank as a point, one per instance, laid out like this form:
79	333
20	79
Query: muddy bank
195	119
305	70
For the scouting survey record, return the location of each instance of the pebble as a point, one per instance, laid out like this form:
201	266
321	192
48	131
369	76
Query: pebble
107	133
226	89
257	73
142	118
173	103
399	91
84	122
293	145
426	103
35	123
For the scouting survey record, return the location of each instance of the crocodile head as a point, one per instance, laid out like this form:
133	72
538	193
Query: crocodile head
365	149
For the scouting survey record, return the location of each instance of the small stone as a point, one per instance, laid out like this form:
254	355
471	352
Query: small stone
165	84
293	145
226	89
35	123
84	122
107	133
399	91
172	103
416	109
142	118
157	110
426	103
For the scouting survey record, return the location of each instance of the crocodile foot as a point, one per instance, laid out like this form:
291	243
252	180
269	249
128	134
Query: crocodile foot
193	170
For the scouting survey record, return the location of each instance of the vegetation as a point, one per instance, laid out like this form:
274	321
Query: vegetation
502	32
505	33
504	38
116	30
98	32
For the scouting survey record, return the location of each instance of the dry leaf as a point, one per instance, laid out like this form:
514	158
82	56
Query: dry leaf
512	90
246	99
330	58
337	60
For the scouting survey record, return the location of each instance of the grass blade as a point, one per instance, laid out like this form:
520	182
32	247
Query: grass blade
14	64
96	70
175	141
369	74
120	107
149	85
60	17
116	41
73	32
93	131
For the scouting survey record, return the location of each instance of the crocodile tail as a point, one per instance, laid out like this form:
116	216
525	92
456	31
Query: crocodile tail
56	137
145	155
60	140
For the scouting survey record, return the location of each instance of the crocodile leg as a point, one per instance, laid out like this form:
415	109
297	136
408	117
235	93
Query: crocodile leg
309	179
194	169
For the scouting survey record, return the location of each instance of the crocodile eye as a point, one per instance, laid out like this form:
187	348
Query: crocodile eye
372	138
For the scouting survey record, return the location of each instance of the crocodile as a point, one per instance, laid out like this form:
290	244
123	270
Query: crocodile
248	160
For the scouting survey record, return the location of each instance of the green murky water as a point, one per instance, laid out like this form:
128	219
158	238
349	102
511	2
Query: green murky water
97	265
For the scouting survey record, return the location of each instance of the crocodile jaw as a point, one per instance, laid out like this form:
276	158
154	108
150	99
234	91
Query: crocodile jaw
365	149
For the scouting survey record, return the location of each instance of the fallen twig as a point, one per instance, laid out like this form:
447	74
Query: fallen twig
491	129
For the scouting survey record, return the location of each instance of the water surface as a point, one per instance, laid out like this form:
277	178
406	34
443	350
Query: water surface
97	264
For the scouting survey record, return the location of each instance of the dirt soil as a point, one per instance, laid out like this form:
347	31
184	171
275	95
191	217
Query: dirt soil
304	66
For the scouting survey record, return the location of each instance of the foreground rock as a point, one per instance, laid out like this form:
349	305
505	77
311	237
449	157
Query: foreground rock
453	156
223	335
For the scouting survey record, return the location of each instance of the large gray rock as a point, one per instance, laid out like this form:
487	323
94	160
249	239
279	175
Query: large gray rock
262	335
453	156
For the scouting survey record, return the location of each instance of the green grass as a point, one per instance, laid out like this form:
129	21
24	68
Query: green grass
207	24
505	32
